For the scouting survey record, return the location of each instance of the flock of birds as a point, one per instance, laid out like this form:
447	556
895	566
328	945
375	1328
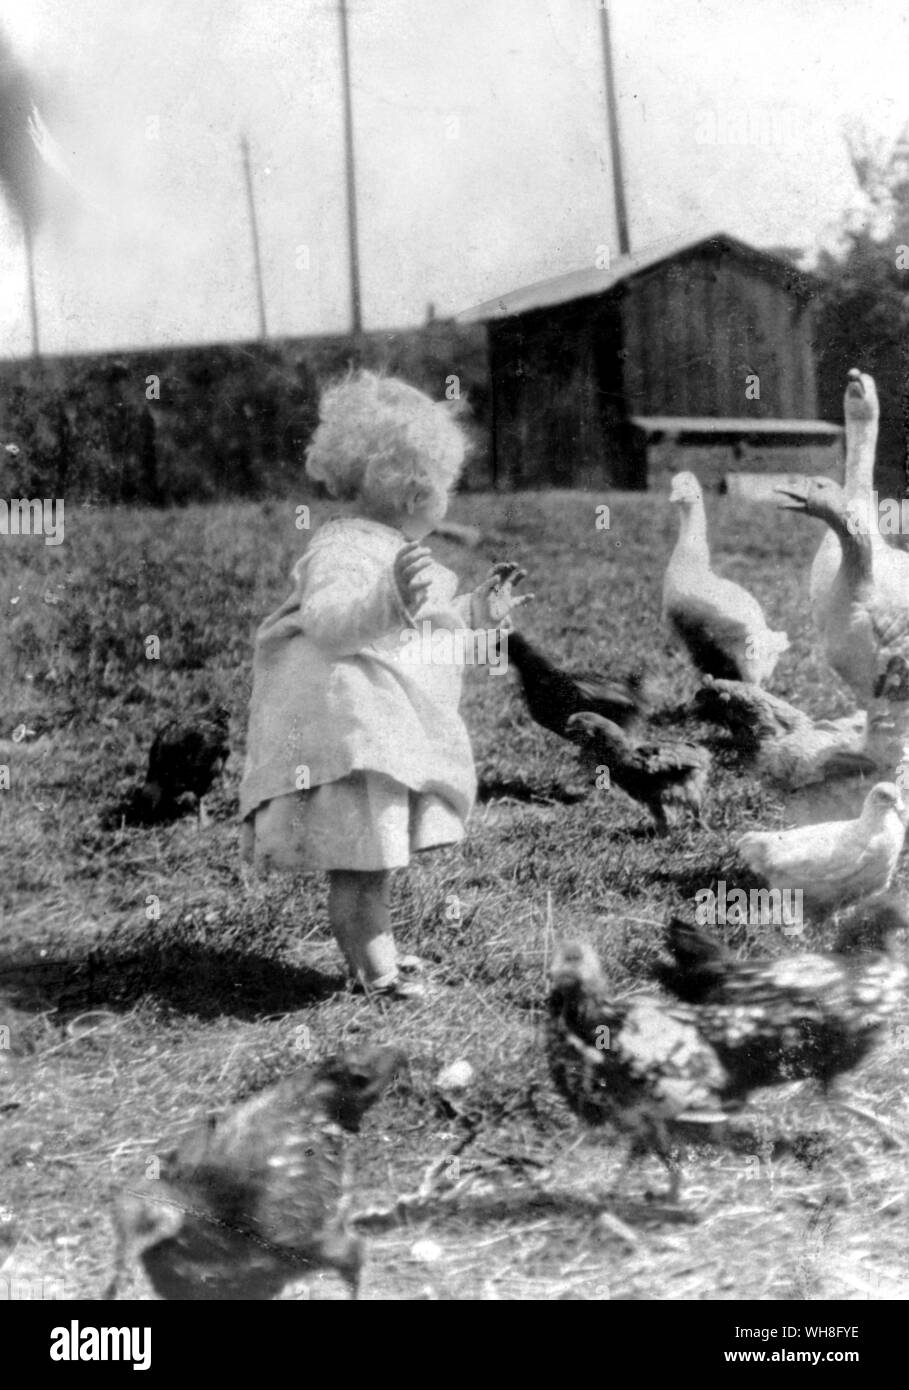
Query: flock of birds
254	1201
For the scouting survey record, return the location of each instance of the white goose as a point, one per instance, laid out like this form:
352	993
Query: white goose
861	412
720	623
862	621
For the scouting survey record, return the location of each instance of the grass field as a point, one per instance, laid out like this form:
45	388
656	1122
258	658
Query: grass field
233	985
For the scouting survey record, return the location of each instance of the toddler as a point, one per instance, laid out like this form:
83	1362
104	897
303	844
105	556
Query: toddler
356	758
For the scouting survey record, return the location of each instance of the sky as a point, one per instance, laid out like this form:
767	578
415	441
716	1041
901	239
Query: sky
481	147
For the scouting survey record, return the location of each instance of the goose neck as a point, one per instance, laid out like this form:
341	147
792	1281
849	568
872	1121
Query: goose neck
693	531
861	443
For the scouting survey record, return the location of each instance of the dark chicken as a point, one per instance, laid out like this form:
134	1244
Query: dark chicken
640	1067
553	696
669	778
253	1202
799	1016
186	757
783	742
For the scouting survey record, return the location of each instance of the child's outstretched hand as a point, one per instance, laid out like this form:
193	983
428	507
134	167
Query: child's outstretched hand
410	563
495	599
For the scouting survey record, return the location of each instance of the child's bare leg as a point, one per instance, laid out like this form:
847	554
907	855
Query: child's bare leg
359	906
343	905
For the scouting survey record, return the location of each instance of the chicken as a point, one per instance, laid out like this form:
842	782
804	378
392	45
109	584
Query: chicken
639	1066
700	962
887	731
806	1015
253	1202
835	862
722	626
186	757
864	617
783	742
659	1072
669	778
553	696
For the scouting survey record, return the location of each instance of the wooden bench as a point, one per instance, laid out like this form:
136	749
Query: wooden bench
685	429
732	448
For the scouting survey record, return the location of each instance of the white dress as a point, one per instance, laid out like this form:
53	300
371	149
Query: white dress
337	705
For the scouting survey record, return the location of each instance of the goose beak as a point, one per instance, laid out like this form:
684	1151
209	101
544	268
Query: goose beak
855	387
798	500
578	728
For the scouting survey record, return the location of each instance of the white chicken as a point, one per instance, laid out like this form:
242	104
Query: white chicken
835	862
720	623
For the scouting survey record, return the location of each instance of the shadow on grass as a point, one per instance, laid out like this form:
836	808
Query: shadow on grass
492	789
188	977
491	1208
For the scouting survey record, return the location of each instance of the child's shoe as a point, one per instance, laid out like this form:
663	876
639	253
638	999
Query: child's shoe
400	986
412	990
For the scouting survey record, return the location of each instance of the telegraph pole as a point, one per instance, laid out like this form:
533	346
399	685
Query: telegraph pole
356	302
254	230
615	144
30	277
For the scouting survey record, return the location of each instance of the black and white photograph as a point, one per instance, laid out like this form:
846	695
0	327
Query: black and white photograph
454	660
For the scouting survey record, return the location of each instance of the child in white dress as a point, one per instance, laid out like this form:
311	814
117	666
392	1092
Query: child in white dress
357	758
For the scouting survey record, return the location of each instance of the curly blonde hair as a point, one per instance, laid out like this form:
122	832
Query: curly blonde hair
378	437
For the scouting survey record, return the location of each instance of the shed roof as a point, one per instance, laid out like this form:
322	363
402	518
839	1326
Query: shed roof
590	281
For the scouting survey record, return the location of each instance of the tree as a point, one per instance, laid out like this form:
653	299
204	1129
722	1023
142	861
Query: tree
864	307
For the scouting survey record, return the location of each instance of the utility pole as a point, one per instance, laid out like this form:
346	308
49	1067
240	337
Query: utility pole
30	278
615	144
356	302
254	230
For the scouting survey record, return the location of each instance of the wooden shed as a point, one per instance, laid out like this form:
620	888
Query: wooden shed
697	341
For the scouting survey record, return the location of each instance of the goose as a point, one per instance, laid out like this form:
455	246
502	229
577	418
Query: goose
720	623
863	620
836	861
891	566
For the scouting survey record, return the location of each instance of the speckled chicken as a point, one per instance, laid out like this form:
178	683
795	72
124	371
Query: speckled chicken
804	1015
836	862
186	757
783	742
669	778
639	1067
253	1202
553	695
